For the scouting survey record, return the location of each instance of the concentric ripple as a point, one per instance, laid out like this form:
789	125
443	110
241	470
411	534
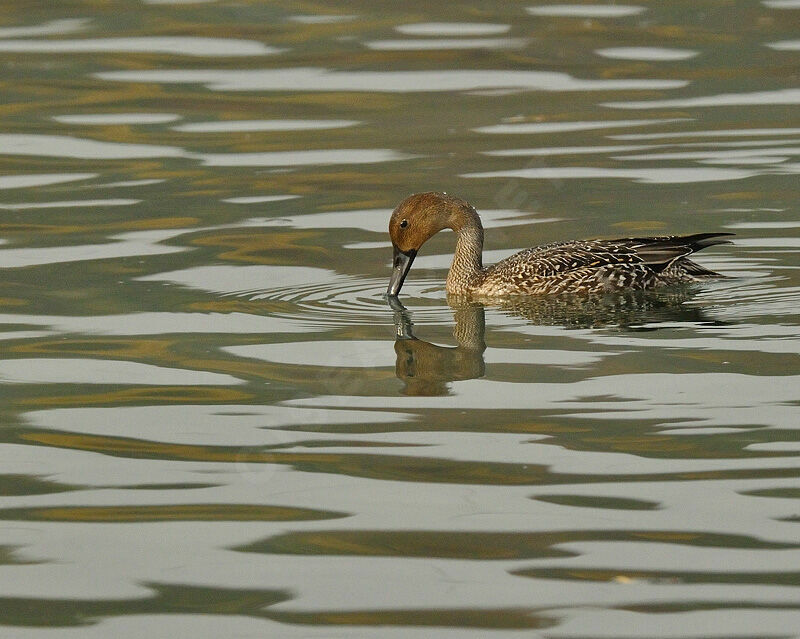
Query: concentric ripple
312	297
349	300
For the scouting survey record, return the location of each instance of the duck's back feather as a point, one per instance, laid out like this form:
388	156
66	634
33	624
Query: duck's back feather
601	265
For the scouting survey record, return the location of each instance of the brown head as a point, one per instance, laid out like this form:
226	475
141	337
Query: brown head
415	220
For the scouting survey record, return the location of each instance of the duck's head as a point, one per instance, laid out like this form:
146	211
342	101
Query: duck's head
415	220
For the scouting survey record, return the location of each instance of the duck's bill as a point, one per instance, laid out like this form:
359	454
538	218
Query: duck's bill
401	263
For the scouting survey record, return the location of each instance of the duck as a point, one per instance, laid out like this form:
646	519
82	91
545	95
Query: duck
574	266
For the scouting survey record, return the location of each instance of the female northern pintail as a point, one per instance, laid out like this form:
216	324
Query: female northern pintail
577	266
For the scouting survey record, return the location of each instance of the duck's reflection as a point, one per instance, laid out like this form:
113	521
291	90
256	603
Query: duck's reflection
629	310
427	369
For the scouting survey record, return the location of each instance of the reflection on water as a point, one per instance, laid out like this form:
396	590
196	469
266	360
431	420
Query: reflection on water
320	79
646	53
427	369
175	45
586	11
212	424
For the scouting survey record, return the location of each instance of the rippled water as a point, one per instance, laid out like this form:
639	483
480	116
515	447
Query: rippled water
214	425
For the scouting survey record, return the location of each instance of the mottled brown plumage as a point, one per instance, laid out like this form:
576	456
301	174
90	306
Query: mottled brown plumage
577	266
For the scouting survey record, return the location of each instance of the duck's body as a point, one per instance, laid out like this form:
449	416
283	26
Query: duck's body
578	266
592	266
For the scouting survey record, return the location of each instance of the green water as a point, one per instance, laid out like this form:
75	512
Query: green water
214	425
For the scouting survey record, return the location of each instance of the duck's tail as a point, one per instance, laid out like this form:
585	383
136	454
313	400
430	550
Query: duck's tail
659	253
699	241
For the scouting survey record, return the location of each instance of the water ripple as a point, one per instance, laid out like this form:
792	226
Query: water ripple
447	29
321	79
586	10
174	45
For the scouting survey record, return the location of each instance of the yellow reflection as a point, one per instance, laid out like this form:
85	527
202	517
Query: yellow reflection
171	512
149	395
263	248
455	618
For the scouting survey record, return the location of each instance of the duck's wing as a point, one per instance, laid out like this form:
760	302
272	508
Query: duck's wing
634	254
660	253
610	264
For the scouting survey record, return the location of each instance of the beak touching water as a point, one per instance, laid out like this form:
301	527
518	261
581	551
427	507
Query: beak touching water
401	263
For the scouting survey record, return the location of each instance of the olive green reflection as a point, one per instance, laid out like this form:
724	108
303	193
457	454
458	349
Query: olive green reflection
592	501
168	512
627	576
487	546
187	599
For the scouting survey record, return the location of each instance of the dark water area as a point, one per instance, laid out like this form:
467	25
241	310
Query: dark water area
213	424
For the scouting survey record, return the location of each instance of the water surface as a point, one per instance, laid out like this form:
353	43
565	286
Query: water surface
214	425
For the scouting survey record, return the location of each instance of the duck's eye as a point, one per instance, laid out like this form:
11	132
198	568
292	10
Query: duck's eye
403	224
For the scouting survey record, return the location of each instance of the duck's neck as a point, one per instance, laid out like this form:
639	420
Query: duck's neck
467	264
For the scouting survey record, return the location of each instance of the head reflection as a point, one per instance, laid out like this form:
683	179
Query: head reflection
427	369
